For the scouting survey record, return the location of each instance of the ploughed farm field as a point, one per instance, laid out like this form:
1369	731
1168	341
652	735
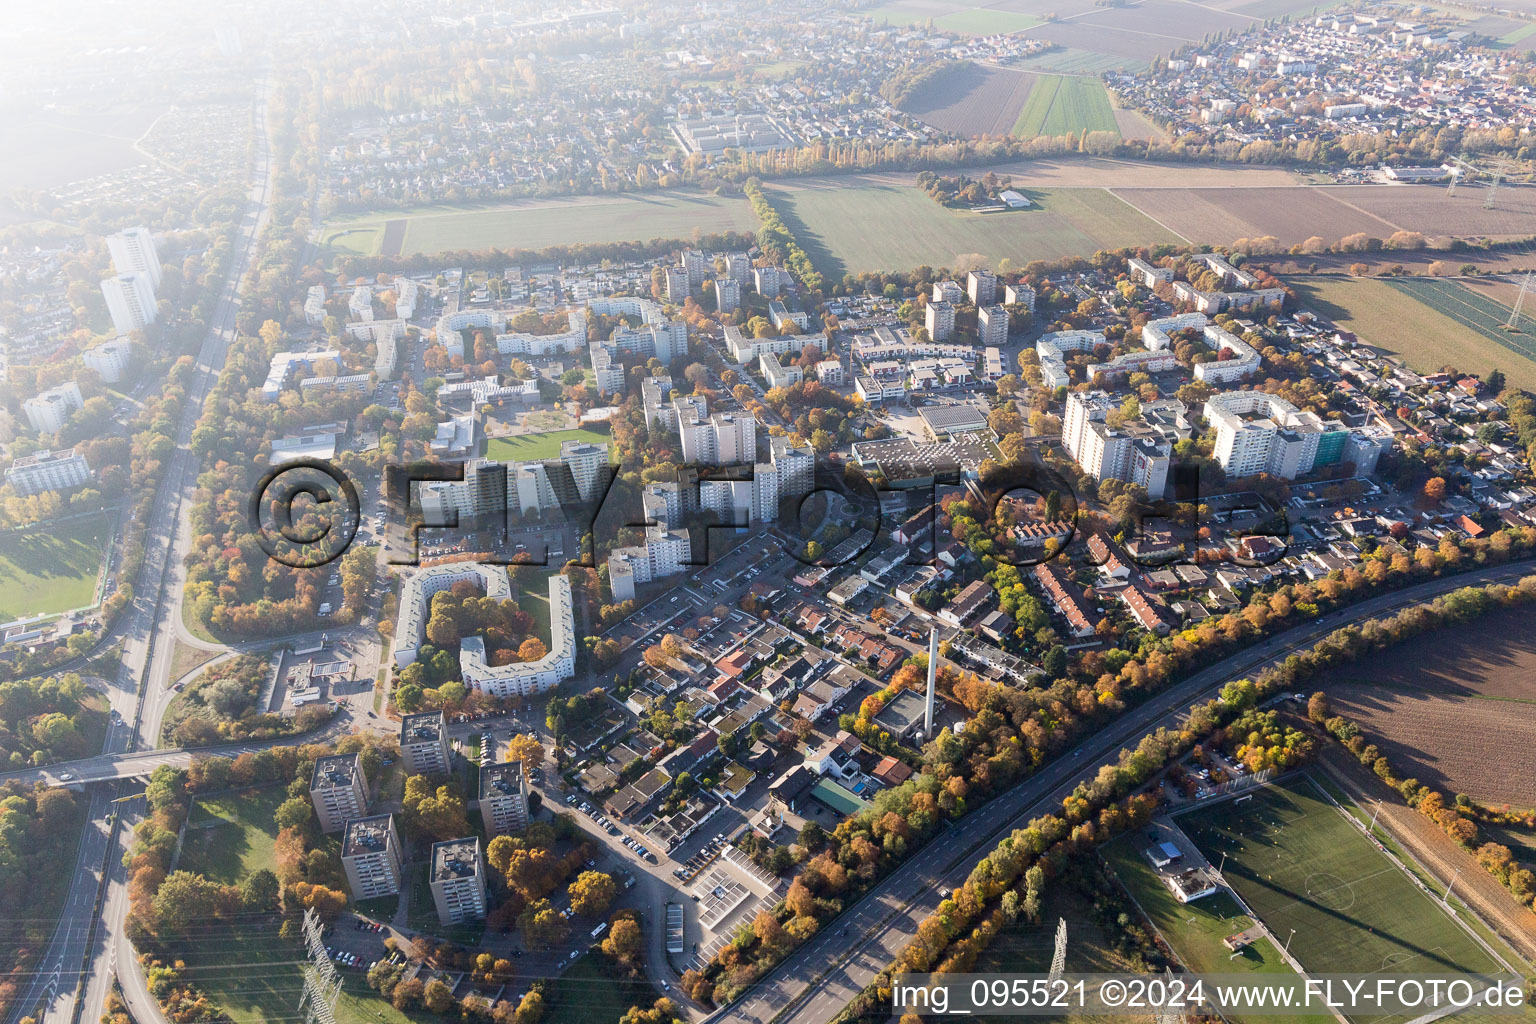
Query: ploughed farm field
1455	708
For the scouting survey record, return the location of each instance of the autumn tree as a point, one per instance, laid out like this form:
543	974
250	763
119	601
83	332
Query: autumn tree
592	892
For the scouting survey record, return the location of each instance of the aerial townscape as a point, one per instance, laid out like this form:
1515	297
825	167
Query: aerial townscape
529	513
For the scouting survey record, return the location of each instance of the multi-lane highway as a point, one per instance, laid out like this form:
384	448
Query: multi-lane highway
815	983
75	973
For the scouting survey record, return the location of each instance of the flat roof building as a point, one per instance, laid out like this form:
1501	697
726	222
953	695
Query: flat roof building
371	857
424	743
503	798
456	875
338	790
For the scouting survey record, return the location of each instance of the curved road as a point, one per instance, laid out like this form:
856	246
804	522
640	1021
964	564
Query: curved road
817	981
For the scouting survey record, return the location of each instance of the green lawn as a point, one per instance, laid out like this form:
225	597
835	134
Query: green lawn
256	976
230	836
1059	104
533	447
1300	864
538	225
584	994
863	226
52	568
1388	318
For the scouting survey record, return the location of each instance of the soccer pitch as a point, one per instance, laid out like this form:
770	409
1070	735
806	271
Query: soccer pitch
1299	863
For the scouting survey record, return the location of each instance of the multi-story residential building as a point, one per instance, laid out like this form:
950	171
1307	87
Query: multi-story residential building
456	875
778	375
48	471
770	280
723	439
130	301
992	325
981	286
49	410
665	339
407	295
1262	433
110	359
939	318
696	264
607	370
360	304
572	339
1020	295
727	294
666	552
339	790
314	305
1132	452
1050	349
830	372
526	678
424	742
677	284
490	488
503	799
739	267
947	291
1145	273
782	316
352	383
745	349
133	252
371	857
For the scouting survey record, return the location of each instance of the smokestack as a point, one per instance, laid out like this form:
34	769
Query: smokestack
933	669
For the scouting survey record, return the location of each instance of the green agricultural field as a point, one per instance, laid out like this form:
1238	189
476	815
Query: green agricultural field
1059	104
1074	61
863	226
533	447
1424	337
1518	34
538	225
231	836
978	21
1300	864
53	568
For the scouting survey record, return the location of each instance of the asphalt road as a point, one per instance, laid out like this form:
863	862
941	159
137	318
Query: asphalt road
815	983
88	946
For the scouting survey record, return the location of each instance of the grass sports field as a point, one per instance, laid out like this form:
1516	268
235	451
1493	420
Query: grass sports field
532	447
537	225
851	228
1300	864
1059	104
1446	324
51	569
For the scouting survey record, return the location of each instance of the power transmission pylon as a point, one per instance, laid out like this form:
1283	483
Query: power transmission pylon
1493	189
1059	958
1514	314
1460	167
322	985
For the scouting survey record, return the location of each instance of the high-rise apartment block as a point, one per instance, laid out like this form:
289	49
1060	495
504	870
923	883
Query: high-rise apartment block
456	875
424	743
130	300
503	798
338	790
133	252
371	857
